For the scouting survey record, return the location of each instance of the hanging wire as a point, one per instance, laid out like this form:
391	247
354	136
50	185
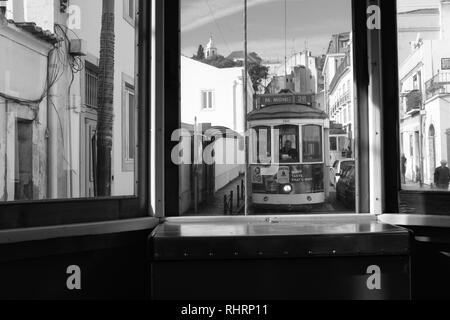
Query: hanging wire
217	25
285	40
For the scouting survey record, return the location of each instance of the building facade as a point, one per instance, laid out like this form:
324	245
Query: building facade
64	133
300	74
31	147
424	95
338	79
212	100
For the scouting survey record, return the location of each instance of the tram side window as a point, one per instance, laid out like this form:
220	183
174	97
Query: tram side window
262	145
333	144
312	144
288	143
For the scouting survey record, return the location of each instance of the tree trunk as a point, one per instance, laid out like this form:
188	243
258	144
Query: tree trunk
105	100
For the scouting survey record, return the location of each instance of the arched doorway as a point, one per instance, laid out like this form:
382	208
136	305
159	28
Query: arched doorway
432	150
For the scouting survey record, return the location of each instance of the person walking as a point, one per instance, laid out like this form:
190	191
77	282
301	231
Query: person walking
442	176
404	160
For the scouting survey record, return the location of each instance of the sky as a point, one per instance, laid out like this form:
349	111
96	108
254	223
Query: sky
308	25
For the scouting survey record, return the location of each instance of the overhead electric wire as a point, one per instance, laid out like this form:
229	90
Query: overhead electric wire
285	41
217	25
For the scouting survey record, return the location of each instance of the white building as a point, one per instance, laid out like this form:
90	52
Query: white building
213	95
214	98
31	147
303	74
124	127
338	83
76	101
425	89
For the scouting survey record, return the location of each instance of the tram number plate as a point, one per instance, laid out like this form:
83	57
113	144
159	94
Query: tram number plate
297	176
283	175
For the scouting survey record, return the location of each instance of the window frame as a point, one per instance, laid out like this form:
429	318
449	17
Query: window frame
255	135
395	196
210	93
126	13
169	94
59	212
297	144
128	86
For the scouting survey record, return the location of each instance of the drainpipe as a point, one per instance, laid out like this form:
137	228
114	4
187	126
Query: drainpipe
52	125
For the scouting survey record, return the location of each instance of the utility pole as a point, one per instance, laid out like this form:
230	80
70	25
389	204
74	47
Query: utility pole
285	44
245	80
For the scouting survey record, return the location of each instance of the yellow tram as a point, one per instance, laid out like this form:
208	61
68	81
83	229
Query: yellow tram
288	152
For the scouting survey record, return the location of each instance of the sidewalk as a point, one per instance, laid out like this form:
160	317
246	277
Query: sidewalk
215	207
410	186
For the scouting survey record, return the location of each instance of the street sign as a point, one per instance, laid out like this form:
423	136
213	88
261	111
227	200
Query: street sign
274	99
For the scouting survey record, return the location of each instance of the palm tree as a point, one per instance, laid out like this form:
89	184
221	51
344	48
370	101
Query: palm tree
105	100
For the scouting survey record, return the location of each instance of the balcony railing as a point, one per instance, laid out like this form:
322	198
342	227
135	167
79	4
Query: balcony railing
340	70
438	85
342	100
414	101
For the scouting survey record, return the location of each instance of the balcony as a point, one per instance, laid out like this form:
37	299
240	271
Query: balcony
344	99
413	100
438	85
346	63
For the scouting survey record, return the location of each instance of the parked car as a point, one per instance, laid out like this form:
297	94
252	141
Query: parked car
345	188
338	167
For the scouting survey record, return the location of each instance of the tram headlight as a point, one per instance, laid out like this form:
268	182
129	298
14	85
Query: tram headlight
287	188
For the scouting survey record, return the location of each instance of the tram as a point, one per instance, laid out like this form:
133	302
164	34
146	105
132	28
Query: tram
288	153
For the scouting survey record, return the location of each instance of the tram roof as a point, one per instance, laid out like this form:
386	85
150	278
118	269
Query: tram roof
286	111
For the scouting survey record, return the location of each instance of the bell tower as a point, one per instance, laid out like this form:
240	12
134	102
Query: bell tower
210	50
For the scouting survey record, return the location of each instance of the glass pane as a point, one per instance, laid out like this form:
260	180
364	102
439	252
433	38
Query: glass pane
296	96
288	139
131	8
312	144
262	145
132	126
62	101
424	50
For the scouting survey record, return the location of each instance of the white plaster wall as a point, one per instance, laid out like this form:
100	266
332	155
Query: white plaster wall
228	108
23	74
91	13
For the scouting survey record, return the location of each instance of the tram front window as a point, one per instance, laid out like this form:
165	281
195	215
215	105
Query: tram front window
288	143
312	144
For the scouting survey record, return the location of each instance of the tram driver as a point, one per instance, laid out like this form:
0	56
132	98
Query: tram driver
288	153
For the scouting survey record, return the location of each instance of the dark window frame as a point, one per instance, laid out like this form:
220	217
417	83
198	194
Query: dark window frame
168	94
45	213
396	199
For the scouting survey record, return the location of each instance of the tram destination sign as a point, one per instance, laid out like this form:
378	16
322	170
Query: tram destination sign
273	99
